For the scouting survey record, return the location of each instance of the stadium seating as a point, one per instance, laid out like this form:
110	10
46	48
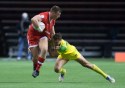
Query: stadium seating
96	27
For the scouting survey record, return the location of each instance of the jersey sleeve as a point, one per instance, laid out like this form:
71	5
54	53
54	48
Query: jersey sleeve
63	46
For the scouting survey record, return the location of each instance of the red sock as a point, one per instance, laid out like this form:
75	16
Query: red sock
39	63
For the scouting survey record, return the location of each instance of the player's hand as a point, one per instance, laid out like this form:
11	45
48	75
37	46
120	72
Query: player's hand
57	47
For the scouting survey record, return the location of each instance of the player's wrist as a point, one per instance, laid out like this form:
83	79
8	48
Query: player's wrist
40	27
37	28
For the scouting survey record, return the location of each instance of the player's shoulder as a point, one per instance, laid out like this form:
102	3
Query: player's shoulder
63	41
44	13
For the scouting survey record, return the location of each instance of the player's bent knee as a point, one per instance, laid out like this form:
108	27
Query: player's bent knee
56	70
44	51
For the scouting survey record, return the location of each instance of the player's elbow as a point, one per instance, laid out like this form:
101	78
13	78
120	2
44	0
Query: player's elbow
33	20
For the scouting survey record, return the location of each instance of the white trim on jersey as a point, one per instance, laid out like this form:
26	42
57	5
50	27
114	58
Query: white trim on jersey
39	62
33	46
43	37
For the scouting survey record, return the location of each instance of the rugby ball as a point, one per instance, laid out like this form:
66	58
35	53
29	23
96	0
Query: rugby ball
41	26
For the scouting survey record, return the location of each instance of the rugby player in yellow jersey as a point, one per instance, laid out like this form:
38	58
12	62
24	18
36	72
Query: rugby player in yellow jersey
69	52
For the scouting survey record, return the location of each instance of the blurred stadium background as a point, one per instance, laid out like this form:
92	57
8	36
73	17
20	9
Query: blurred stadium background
96	28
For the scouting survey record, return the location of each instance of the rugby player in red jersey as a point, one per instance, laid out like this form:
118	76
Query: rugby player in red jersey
38	38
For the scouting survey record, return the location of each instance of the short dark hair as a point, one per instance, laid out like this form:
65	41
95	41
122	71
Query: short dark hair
57	36
55	9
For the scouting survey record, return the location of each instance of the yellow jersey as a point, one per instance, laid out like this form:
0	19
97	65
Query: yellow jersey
67	51
65	47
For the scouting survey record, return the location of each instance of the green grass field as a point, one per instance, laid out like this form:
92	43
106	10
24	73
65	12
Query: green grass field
17	74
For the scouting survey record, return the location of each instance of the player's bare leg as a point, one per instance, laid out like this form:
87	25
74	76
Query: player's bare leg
59	68
35	53
43	46
95	68
39	57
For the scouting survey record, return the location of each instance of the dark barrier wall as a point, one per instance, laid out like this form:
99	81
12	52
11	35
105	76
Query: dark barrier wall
96	28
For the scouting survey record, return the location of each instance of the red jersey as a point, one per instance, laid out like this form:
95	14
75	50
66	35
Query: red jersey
33	35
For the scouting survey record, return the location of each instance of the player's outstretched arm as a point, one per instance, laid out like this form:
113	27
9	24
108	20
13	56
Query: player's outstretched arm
35	21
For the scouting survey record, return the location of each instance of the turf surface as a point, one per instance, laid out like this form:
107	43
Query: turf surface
17	74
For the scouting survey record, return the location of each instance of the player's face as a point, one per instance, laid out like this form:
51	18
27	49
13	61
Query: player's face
56	15
57	42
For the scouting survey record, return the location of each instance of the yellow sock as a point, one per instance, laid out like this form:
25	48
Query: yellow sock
62	70
98	70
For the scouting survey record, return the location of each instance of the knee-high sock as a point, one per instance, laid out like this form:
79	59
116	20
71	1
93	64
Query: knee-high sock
39	63
98	70
62	71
